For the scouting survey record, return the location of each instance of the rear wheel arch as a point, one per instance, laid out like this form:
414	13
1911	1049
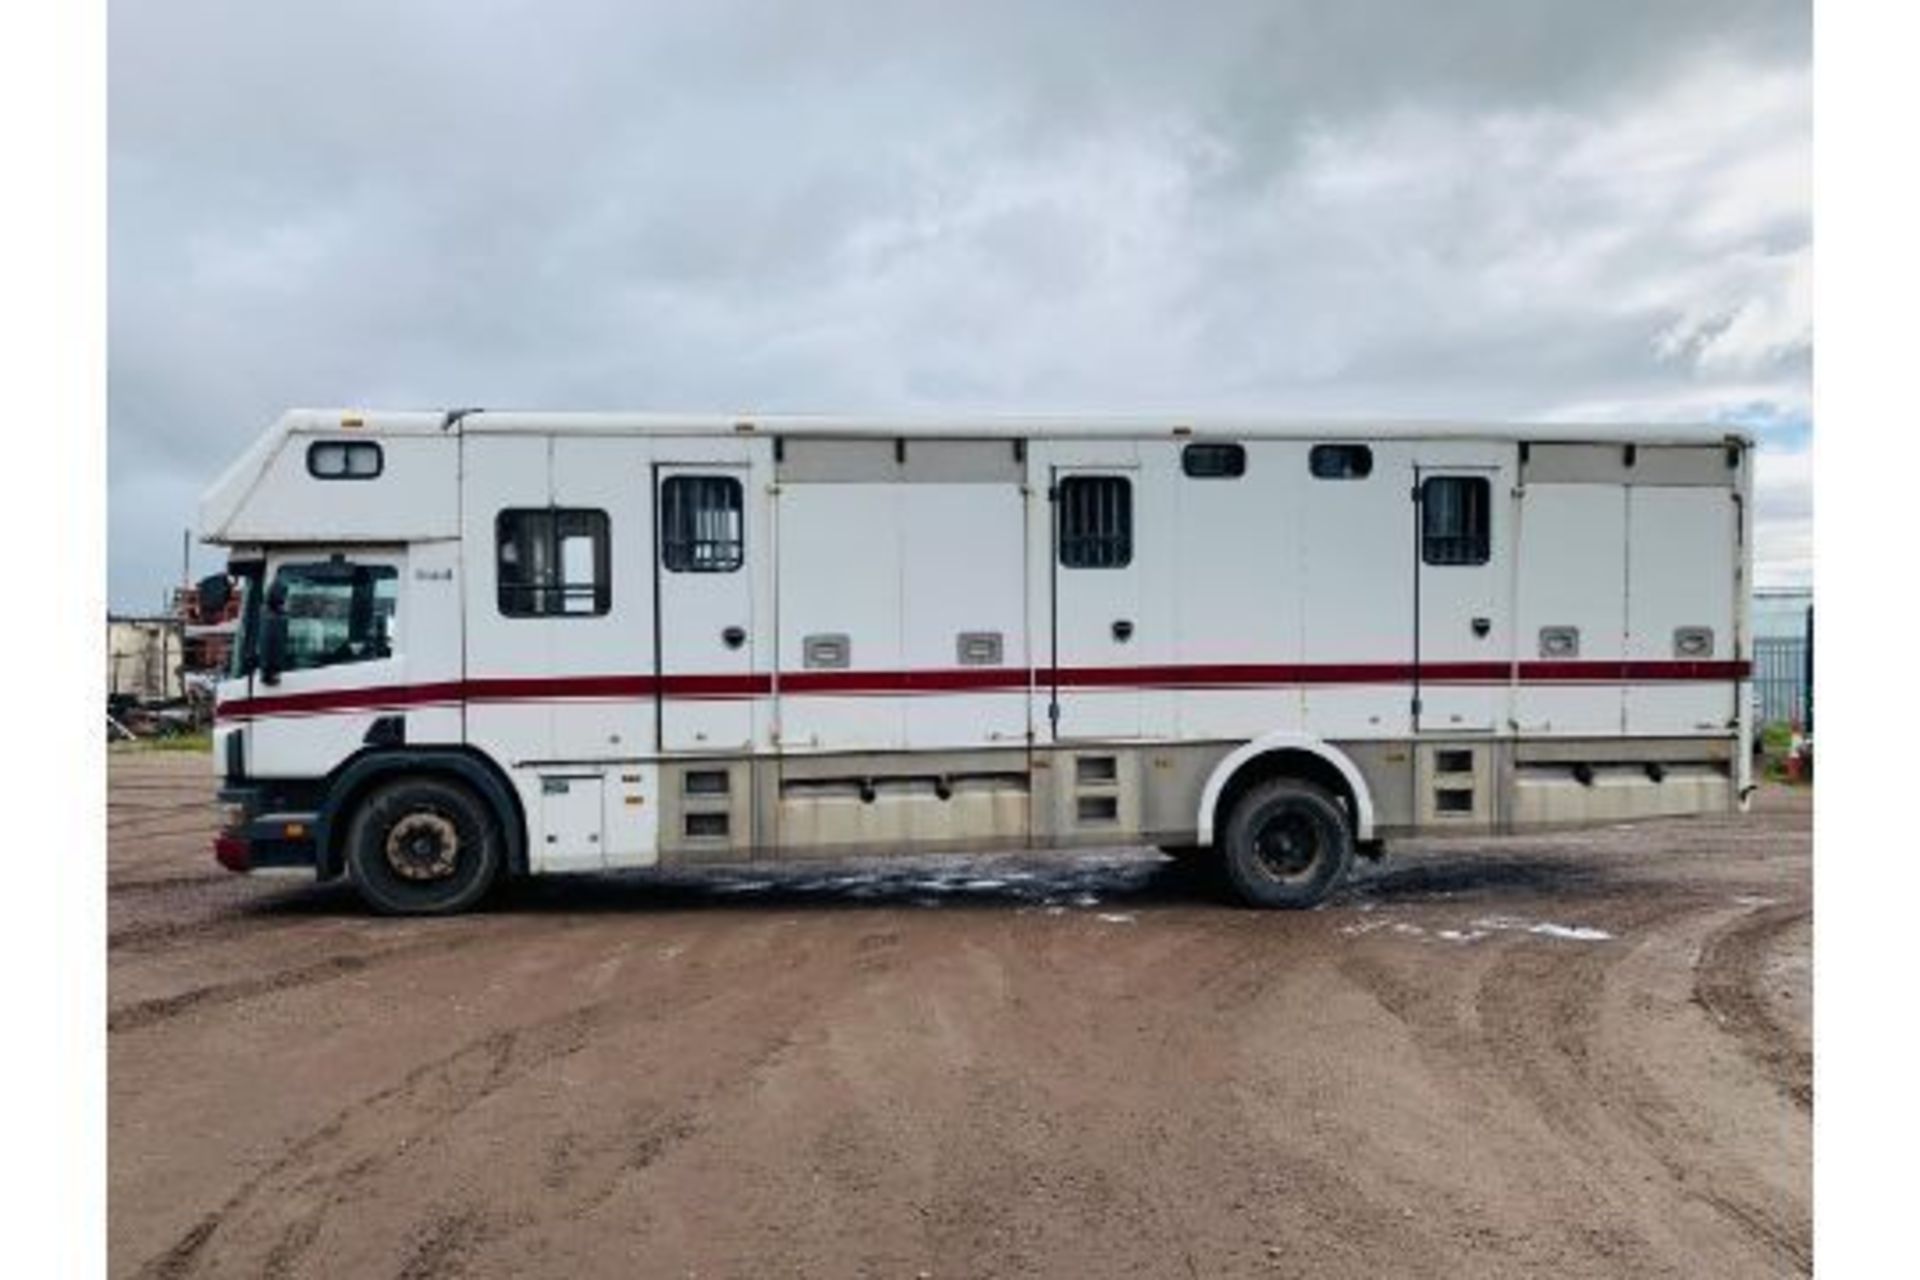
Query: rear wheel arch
365	773
1284	755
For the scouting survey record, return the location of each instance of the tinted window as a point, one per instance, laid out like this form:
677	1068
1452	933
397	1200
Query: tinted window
1213	461
335	612
1456	520
343	460
1340	461
1096	522
702	528
553	561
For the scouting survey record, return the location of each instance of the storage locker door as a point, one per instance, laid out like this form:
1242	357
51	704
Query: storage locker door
1572	608
705	624
1682	557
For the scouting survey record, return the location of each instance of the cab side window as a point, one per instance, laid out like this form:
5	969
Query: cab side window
335	612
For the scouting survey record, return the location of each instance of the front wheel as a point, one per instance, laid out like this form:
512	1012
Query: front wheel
423	846
1288	844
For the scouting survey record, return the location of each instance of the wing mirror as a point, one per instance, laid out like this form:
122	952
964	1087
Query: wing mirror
273	634
215	593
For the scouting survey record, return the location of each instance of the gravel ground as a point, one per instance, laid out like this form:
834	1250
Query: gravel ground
1578	1055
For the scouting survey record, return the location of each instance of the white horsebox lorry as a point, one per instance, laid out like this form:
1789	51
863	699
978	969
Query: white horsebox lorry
477	645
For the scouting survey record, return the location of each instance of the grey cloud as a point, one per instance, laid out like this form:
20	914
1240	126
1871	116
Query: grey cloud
1503	207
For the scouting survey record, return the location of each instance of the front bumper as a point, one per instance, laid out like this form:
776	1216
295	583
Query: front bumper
258	834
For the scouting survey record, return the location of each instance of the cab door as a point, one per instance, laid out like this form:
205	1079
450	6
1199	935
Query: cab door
704	625
333	638
1462	631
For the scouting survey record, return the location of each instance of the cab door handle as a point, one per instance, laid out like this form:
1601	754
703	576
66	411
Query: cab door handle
1122	629
733	637
1481	626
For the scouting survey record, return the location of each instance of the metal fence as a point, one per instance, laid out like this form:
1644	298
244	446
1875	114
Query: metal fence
1780	690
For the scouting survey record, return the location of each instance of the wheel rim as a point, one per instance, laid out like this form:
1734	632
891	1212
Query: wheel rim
423	847
1288	845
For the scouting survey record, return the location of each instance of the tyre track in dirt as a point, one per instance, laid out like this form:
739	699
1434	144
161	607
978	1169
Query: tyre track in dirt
1727	984
974	1066
1586	1078
141	1014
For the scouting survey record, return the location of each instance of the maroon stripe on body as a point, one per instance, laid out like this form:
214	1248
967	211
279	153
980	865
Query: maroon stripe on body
973	680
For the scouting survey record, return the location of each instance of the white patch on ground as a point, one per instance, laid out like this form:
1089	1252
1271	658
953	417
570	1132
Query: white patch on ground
985	883
1460	935
1115	918
1086	899
1544	929
1752	900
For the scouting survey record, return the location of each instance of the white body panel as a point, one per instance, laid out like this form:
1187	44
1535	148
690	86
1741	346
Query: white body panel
901	604
1356	601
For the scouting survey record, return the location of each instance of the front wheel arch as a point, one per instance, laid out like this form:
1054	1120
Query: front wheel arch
358	777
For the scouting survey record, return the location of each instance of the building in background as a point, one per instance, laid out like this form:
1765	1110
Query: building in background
1783	656
145	660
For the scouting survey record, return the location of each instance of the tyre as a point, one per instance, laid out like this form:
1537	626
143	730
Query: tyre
423	846
1287	844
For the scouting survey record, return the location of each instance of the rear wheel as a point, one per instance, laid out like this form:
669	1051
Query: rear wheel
423	846
1288	843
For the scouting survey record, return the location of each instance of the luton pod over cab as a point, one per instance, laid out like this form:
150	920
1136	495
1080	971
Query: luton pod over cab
480	644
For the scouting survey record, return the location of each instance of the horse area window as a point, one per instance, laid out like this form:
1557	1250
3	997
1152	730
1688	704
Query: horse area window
1208	461
1095	522
553	561
702	524
1340	461
1456	520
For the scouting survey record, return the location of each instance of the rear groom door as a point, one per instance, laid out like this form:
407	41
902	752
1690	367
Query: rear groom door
703	642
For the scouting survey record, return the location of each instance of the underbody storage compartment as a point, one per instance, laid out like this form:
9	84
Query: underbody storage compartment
890	803
1575	784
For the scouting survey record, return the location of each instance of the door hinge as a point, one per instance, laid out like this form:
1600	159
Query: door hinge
1053	712
1416	706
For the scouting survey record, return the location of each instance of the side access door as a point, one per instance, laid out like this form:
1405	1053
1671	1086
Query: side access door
1094	583
1462	574
703	619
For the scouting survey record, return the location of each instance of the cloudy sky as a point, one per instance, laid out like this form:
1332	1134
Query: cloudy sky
1504	208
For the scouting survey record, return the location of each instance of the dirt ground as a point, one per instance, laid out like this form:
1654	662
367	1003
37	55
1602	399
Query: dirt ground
1580	1055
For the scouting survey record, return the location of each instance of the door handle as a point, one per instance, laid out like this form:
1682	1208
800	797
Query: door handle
733	637
1481	626
1122	630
